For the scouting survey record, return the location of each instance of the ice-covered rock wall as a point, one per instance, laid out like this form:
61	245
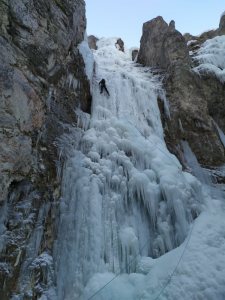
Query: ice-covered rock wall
42	85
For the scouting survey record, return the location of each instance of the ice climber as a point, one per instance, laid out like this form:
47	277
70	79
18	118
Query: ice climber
103	86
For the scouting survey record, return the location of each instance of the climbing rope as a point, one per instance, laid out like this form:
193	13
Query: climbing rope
150	238
177	264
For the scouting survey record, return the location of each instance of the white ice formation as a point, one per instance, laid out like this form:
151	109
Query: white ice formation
211	57
122	192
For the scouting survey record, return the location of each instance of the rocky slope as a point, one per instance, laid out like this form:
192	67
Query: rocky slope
194	100
42	83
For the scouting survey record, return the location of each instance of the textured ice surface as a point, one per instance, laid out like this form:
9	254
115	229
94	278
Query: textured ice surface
200	275
88	57
211	57
121	188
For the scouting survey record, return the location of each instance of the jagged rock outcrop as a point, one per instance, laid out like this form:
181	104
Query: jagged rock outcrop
221	30
92	42
162	45
207	34
151	42
42	82
120	44
191	98
203	37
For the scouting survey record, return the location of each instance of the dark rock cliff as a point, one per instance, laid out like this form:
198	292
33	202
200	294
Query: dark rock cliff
194	101
42	83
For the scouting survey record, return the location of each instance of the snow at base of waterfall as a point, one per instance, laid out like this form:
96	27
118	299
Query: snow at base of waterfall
200	275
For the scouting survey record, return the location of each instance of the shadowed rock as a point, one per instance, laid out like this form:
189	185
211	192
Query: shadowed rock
120	44
134	54
221	30
92	40
151	42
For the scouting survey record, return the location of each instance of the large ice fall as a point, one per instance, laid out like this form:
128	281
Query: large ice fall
127	207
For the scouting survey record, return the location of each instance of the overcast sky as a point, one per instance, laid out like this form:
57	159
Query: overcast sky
124	18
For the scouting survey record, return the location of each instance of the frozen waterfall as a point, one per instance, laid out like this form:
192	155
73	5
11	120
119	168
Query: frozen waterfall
121	190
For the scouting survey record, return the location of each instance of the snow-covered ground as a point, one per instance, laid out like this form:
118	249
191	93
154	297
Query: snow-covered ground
122	191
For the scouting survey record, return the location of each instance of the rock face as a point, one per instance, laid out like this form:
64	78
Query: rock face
151	42
134	54
42	83
221	30
120	44
162	45
92	40
194	101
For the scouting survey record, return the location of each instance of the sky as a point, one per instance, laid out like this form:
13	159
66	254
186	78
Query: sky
124	18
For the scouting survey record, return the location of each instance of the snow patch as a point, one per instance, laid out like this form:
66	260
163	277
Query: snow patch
211	57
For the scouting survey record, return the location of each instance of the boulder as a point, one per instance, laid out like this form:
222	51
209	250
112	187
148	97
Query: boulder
92	42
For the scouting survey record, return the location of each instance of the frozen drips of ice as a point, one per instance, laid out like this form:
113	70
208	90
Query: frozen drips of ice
48	101
211	57
72	82
190	161
31	252
180	124
129	249
83	119
119	191
162	96
221	134
3	217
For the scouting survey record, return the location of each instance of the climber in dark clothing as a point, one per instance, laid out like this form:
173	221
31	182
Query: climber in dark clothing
102	84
